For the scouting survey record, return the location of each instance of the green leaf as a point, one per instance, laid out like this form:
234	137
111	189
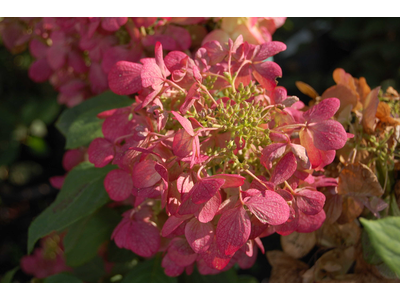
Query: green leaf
119	255
84	237
394	208
384	235
82	194
62	278
149	271
80	124
369	253
8	277
92	271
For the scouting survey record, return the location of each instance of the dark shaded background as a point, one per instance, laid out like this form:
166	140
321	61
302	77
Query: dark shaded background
31	148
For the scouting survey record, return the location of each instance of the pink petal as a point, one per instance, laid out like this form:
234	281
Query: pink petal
182	143
284	169
246	261
269	49
98	78
184	183
40	70
170	267
184	122
205	269
199	235
328	135
318	158
124	78
172	223
233	230
181	253
151	73
272	152
180	35
57	181
215	51
143	238
310	201
208	209
231	180
101	152
291	224
190	98
173	60
118	184
113	24
72	158
266	73
279	94
115	125
269	208
144	21
56	56
214	258
77	62
204	189
37	49
257	228
144	174
160	61
324	110
120	53
310	223
244	76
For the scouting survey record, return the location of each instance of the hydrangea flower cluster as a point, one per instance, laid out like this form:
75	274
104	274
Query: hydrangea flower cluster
213	155
76	54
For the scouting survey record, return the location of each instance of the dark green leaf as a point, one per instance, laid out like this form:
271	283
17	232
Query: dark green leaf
119	255
80	124
384	235
62	278
84	237
369	253
82	194
149	271
385	271
394	208
247	279
8	277
9	151
92	271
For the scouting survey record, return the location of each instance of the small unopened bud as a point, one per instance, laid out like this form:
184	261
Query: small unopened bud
227	75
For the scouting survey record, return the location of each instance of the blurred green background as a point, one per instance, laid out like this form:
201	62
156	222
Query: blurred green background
31	148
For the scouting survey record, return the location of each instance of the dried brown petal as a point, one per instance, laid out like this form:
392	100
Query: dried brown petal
336	235
306	89
330	265
369	110
358	180
346	96
298	244
351	209
285	268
